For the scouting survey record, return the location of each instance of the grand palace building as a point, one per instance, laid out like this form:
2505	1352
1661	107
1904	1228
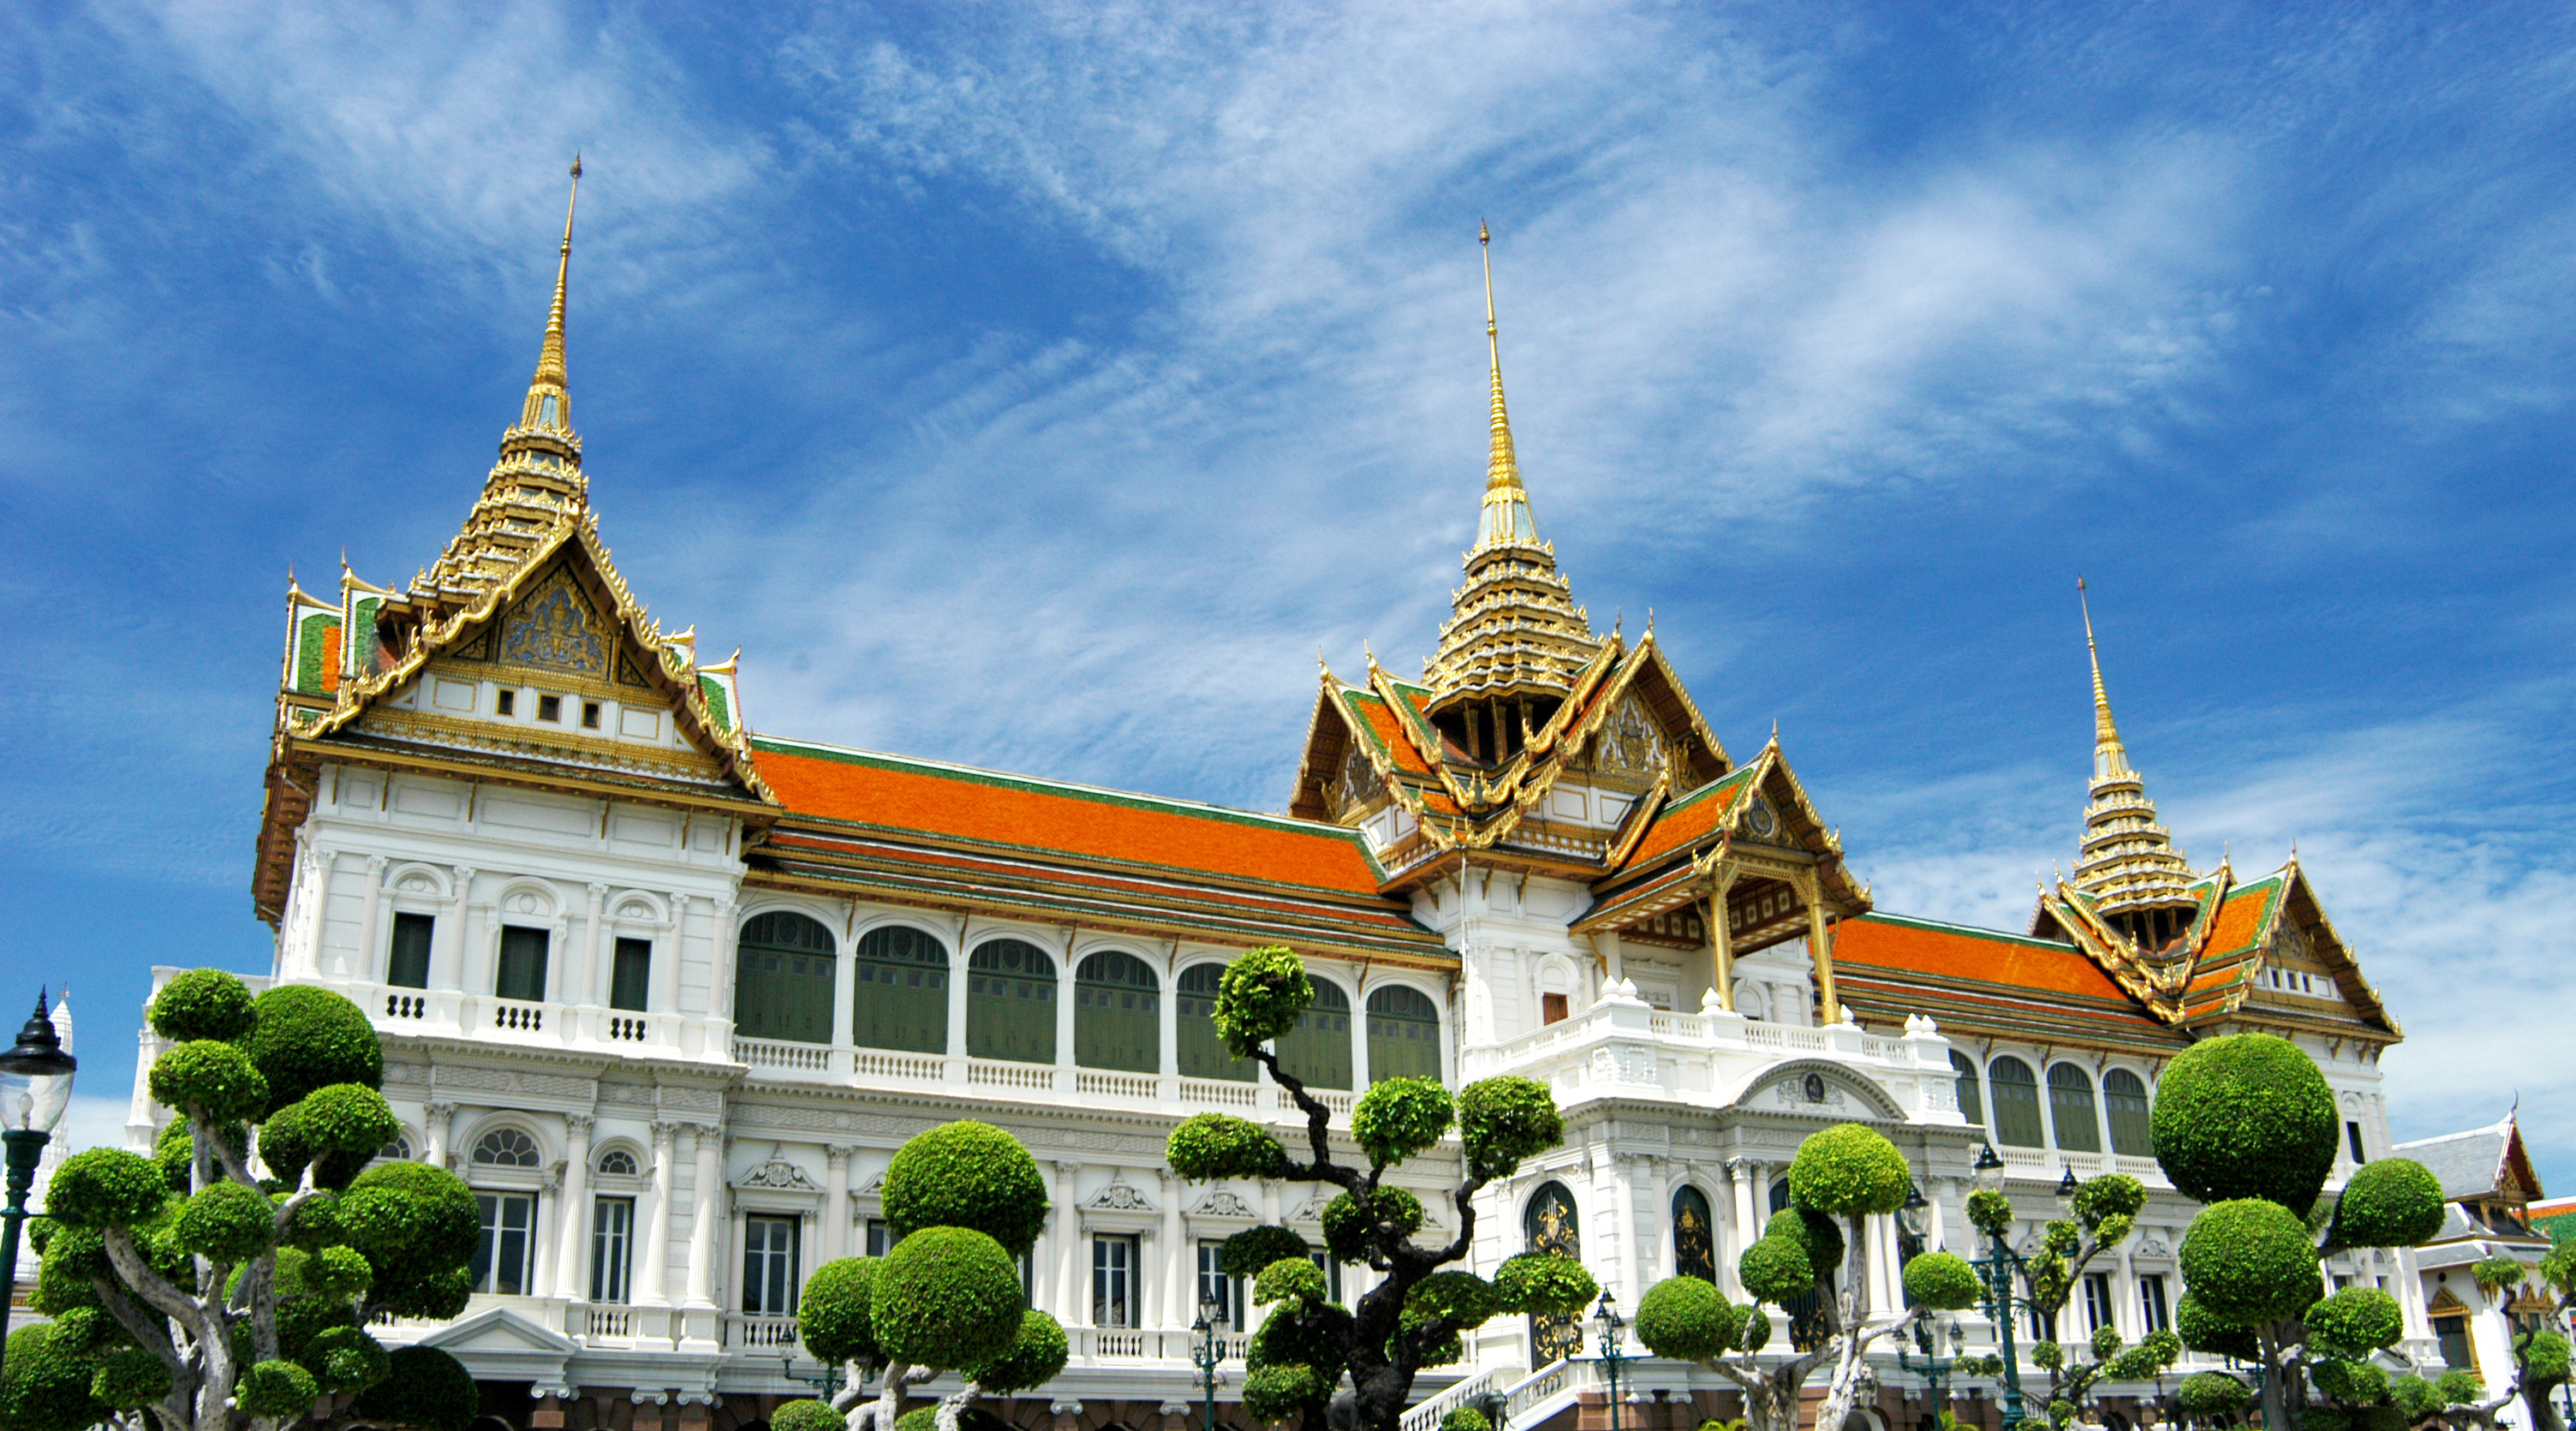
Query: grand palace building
668	993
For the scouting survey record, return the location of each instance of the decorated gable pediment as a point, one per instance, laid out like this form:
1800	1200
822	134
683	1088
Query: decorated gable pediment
555	628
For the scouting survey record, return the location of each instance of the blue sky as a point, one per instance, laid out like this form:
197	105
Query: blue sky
1041	386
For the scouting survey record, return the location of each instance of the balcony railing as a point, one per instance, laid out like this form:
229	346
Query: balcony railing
756	1333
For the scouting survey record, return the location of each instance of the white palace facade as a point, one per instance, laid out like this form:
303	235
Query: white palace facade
669	993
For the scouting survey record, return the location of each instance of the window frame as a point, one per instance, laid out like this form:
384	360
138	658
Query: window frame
2074	1103
886	986
491	1207
789	1004
1399	1044
508	961
1104	1006
1010	1013
618	964
396	954
1316	1037
768	1268
1195	1039
612	1249
2139	1122
1109	1272
2005	1125
1212	1277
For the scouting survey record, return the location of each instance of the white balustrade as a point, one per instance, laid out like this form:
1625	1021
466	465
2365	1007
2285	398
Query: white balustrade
770	1053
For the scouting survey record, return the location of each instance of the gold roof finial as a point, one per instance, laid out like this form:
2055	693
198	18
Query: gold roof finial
1507	513
544	429
550	359
2126	861
2106	736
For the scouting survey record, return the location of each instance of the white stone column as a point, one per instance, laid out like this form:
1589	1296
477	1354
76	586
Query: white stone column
845	994
367	965
836	1201
1180	1259
1072	1307
1740	1234
1359	1044
574	1226
544	1236
1657	1243
437	1124
957	1017
1623	1194
1168	1037
447	951
589	977
666	970
708	1212
483	961
1064	1017
652	1281
721	958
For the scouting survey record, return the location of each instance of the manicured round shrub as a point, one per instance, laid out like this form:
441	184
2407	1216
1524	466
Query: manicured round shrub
226	1223
2545	1356
1465	1418
2360	1382
2413	1396
1535	1283
202	1003
316	1223
2108	1196
806	1415
1213	1145
338	1273
343	1359
414	1224
1989	1212
2394	1202
1942	1280
1849	1169
106	1187
2246	1116
1037	1352
1399	1117
1440	1350
46	1385
130	1377
2354	1322
832	1315
1456	1296
2249	1260
2203	1332
1687	1319
2497	1273
946	1296
1275	1393
277	1388
1819	1235
1350	1224
1296	1281
309	1038
349	1118
2459	1387
1504	1119
210	1079
966	1174
1250	1252
1776	1270
423	1387
1259	998
921	1418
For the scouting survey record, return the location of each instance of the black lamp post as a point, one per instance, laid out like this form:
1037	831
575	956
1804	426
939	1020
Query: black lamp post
1209	1354
2001	1267
825	1381
38	1054
2066	1188
1613	1354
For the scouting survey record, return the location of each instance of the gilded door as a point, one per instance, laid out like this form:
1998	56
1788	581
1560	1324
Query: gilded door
1694	1241
1552	1226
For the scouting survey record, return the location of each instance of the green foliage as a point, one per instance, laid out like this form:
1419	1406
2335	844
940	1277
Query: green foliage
425	1388
2494	1274
1036	1353
105	1187
2544	1356
2249	1259
1275	1393
1348	1221
1441	1350
2108	1196
307	1039
203	1004
2413	1396
1776	1270
226	1223
1989	1212
1214	1145
2360	1383
1465	1418
1942	1280
1849	1169
832	1314
2246	1116
1250	1252
210	1079
966	1174
128	1378
1688	1319
343	1124
2060	1238
1399	1117
2213	1393
1504	1119
1259	998
343	1359
1543	1282
338	1273
807	1415
45	1384
1299	1336
2203	1332
920	1418
417	1226
1293	1280
946	1296
2354	1322
2394	1202
2458	1387
1455	1296
277	1388
316	1223
2048	1356
2106	1342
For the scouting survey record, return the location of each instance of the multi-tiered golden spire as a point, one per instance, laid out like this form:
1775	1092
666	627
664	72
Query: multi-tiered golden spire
1506	517
2128	865
538	483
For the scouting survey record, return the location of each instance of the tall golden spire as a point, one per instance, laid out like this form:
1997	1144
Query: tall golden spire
548	410
2109	756
2128	861
1506	516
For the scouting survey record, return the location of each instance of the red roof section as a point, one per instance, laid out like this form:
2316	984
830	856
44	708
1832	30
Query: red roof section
1690	818
1994	958
1389	730
903	795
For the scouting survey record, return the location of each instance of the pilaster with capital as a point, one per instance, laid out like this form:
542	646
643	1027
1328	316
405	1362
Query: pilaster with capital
572	1241
1072	1307
707	1210
363	964
585	984
437	1124
652	1279
836	1200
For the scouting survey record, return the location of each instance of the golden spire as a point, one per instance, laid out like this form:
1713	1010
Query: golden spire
2110	758
2127	861
1507	512
550	357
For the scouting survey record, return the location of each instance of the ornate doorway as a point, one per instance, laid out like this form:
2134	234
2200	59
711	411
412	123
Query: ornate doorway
1552	1226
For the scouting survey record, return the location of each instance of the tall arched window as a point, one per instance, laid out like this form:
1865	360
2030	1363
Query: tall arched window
1202	1052
1117	1014
2017	1120
1972	1100
2070	1107
1552	1226
782	979
1010	1002
1694	1236
1403	1034
902	998
2132	1136
1317	1052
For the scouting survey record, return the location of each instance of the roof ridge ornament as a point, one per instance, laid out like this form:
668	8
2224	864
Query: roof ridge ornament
2126	861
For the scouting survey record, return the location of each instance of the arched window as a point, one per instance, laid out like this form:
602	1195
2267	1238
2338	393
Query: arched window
1552	1225
397	1151
1694	1236
2126	1098
782	979
902	998
1972	1100
2070	1107
507	1148
1317	1052
617	1162
1403	1034
1202	1051
1117	1014
2017	1121
1010	1002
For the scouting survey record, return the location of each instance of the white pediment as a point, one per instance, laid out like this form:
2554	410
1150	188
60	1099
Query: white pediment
498	1331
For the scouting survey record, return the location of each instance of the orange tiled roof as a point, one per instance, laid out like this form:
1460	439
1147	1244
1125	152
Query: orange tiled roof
1986	982
1387	729
1690	818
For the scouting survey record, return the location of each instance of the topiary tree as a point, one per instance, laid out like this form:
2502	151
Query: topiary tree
1417	1315
2246	1124
832	1325
2212	1398
964	1200
2540	1354
182	1285
2104	1213
1848	1172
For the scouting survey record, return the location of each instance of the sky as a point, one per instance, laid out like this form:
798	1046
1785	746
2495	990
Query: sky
1045	386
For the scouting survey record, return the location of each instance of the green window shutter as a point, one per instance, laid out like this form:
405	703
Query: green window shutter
1972	1102
1010	1003
901	1002
2070	1107
782	984
630	980
2125	1098
2017	1119
1403	1034
407	962
1117	1014
522	970
1201	1049
1317	1052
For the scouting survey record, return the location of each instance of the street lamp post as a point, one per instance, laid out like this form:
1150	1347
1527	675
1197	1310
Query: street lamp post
825	1381
1209	1354
1613	1354
39	1054
2000	1267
